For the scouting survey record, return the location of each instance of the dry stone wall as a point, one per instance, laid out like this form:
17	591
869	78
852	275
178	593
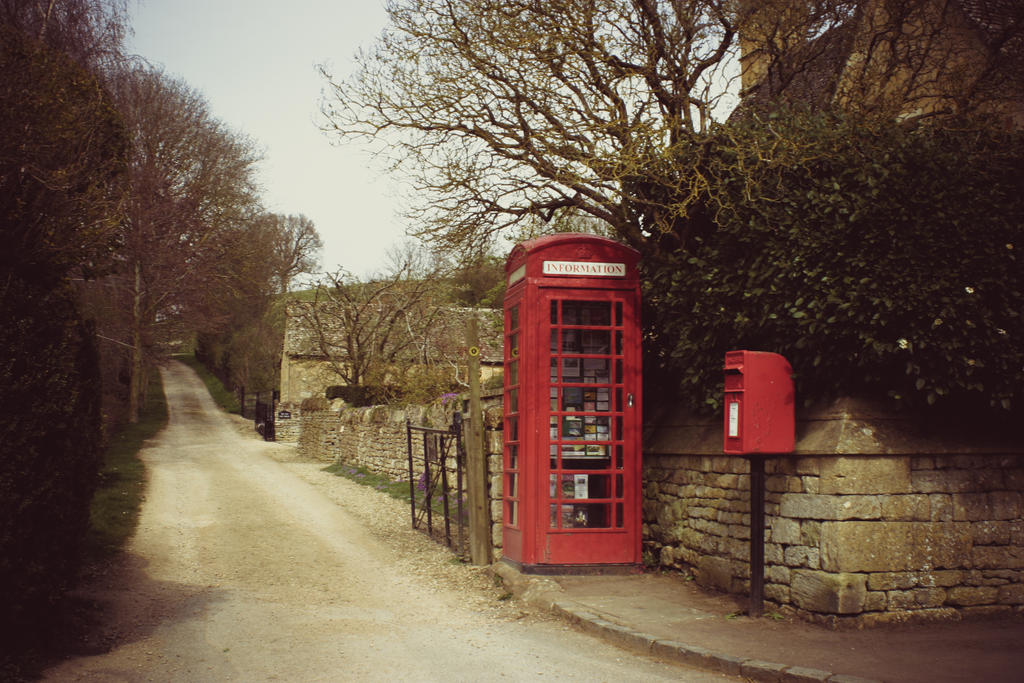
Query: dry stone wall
850	538
863	526
375	438
287	422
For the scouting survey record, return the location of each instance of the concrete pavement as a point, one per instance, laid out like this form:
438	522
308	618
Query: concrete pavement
668	617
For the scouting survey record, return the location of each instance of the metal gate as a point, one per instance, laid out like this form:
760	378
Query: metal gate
264	419
436	471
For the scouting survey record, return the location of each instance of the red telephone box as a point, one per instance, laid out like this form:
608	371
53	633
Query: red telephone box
571	494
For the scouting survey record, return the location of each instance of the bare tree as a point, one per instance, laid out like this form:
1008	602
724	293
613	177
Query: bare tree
371	332
297	247
192	180
90	31
501	110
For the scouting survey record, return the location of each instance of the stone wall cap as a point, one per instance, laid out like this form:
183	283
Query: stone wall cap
846	426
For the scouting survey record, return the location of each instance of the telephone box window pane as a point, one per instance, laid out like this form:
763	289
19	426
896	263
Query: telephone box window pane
554	341
513	400
618	313
513	318
513	513
513	429
618	426
595	341
618	404
513	457
571	341
618	342
585	456
572	427
601	403
572	397
596	428
574	456
554	312
618	515
512	485
586	313
580	486
618	457
553	424
554	516
618	372
585	516
554	397
554	457
513	345
596	371
513	373
554	371
618	486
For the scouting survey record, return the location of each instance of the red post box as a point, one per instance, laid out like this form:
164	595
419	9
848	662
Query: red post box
571	496
759	401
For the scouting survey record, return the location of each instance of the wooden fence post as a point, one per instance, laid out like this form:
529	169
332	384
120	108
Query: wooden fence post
476	459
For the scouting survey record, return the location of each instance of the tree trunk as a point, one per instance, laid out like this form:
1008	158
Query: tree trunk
135	380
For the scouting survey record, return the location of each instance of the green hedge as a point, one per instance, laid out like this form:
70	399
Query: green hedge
878	260
50	441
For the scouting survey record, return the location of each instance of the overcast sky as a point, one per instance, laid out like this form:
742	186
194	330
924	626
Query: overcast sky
255	62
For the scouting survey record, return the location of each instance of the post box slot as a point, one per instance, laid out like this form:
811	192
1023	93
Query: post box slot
733	380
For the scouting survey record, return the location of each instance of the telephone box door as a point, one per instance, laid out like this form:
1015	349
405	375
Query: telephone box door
592	483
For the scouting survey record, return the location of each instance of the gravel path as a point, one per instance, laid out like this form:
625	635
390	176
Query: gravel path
250	564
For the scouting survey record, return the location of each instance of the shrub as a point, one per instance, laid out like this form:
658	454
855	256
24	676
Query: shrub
50	441
884	263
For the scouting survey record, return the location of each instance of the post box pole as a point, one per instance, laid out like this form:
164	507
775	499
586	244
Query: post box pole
756	535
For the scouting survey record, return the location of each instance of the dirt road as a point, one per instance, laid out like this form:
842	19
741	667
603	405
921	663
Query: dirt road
250	565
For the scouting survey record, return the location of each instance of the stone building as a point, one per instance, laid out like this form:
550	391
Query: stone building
306	372
904	59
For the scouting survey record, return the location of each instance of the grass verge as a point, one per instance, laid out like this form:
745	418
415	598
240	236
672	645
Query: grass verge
221	396
361	475
396	489
115	505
